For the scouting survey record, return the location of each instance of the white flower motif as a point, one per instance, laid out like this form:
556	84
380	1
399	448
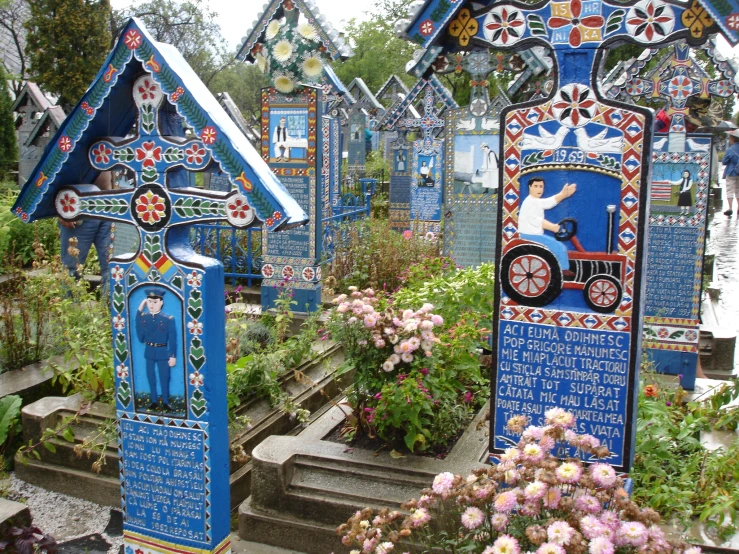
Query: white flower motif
312	66
307	31
272	29
194	279
122	371
284	84
261	63
117	273
196	327
119	323
282	51
196	379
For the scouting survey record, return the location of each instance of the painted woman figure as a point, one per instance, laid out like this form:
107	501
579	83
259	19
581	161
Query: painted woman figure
685	199
400	165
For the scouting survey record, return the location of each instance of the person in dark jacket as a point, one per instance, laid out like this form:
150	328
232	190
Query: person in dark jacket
157	331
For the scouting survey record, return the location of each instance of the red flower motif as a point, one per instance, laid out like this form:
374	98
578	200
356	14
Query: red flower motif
426	28
589	22
195	154
663	333
67	203
176	94
505	25
288	5
24	216
650	21
150	207
150	153
90	111
270	222
102	154
238	208
208	135
84	106
288	272
575	104
65	144
268	270
277	216
133	39
147	90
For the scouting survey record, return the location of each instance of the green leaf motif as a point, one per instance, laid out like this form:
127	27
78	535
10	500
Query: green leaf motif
177	281
172	154
121	350
197	403
677	334
614	21
191	207
147	118
149	175
124	393
195	305
536	24
153	247
124	155
533	158
154	275
115	206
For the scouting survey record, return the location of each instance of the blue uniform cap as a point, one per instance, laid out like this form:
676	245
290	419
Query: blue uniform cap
155	293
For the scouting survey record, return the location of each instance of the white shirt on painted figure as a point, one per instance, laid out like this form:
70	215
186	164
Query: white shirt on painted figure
531	214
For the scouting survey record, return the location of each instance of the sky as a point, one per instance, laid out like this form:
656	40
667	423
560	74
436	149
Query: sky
236	17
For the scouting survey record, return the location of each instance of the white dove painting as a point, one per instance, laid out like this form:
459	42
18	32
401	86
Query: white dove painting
544	140
599	142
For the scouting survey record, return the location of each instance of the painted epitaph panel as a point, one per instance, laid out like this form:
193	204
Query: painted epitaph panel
292	145
677	234
400	184
427	185
471	187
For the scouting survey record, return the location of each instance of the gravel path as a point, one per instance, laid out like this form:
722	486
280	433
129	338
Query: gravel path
64	517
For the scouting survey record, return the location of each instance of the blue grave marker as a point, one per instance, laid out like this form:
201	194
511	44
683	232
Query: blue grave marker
166	301
567	309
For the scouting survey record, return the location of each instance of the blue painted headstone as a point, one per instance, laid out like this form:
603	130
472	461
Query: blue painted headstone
166	301
567	310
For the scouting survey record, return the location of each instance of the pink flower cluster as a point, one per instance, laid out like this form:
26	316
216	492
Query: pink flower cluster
569	508
406	334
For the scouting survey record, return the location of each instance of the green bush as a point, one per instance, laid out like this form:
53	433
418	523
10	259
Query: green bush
17	237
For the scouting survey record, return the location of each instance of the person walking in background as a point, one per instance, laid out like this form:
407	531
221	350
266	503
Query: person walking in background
731	171
77	237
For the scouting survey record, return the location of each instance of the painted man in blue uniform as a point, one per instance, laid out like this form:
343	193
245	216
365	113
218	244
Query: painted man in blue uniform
157	331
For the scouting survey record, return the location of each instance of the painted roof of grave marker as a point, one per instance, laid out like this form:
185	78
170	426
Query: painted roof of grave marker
107	109
52	115
428	19
336	46
361	92
31	93
392	82
330	77
391	117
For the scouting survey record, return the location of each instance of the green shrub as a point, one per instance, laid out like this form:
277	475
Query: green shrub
17	238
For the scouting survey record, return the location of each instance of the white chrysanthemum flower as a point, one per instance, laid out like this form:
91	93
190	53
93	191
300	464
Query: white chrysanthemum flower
284	84
307	31
272	29
261	63
312	66
282	51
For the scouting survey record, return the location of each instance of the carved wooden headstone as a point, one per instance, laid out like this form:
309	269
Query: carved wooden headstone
291	42
166	302
426	159
679	200
365	108
566	319
31	105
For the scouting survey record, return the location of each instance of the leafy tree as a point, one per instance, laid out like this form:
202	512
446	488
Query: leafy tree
8	146
189	26
67	42
244	83
378	53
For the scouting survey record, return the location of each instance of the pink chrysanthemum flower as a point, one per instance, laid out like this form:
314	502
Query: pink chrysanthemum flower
419	517
591	527
488	550
506	501
472	518
631	533
588	504
533	432
535	490
510	455
499	522
558	416
601	545
384	548
425	500
568	472
610	519
547	443
550	548
506	544
603	475
533	452
443	483
551	498
560	533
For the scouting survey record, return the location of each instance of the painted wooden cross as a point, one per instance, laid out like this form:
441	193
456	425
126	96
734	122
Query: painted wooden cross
580	160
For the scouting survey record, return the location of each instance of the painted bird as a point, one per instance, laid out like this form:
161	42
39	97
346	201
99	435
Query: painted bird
697	146
599	142
545	140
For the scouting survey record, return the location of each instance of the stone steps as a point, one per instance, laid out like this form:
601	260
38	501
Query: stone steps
60	470
304	487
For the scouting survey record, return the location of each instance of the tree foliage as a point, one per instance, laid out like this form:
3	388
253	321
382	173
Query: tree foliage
13	13
244	83
8	145
67	43
378	53
189	26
